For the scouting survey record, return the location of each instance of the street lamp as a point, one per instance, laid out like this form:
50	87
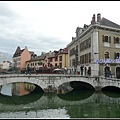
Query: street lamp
96	67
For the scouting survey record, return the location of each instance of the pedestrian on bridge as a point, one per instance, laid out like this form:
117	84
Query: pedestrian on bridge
88	72
108	73
65	70
28	70
37	69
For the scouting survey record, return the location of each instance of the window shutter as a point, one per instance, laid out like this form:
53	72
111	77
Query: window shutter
109	39
114	40
103	38
114	55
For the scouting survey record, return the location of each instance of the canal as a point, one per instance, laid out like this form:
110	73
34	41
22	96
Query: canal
75	104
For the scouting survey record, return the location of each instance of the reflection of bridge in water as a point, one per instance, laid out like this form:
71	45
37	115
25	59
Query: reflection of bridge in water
55	80
52	101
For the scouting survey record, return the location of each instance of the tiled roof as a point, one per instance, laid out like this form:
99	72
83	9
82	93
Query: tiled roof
31	52
109	23
42	57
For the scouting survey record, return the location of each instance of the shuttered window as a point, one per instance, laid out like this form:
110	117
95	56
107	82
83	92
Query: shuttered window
117	40
114	40
103	38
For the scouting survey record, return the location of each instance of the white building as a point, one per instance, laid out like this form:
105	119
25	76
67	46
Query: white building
6	65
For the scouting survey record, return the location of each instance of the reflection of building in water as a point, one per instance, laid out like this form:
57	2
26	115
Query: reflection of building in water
22	88
29	87
15	88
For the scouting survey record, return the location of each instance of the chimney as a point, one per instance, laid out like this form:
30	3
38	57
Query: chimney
98	17
93	19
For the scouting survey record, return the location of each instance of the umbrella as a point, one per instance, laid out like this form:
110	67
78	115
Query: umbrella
57	69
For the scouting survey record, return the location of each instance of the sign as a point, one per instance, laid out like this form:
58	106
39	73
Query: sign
105	61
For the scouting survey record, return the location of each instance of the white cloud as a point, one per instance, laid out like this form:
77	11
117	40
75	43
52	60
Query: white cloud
47	25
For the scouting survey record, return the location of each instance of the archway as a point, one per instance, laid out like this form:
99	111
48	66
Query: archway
107	68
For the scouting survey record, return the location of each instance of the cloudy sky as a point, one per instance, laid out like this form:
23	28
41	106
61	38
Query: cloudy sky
45	26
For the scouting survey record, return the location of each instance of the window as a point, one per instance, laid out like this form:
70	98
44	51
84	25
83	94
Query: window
117	40
89	57
117	55
60	58
89	43
106	55
106	38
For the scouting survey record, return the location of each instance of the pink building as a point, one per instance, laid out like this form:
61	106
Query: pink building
20	57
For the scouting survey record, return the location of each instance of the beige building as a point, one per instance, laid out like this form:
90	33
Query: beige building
96	46
63	58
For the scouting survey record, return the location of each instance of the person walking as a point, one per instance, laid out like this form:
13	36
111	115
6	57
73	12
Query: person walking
37	69
88	72
110	73
65	70
28	70
81	68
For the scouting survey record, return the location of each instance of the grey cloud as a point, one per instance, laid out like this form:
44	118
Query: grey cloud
16	31
6	11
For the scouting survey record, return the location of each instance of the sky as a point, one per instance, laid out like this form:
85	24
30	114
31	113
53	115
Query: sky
45	26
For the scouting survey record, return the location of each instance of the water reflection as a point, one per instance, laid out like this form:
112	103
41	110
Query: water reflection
75	95
19	89
111	91
112	94
84	104
17	100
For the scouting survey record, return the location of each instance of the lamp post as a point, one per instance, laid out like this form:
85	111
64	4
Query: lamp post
96	66
76	59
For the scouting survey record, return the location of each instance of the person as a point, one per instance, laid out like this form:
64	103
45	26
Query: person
107	73
28	70
110	73
65	70
88	72
37	69
81	68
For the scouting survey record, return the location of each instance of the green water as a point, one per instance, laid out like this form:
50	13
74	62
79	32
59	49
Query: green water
80	104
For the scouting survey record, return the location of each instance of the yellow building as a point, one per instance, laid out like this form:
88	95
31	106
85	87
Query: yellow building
34	61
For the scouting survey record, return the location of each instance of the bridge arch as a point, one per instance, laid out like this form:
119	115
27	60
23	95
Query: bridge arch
5	81
56	80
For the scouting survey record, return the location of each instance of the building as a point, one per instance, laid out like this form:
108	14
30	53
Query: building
97	47
6	65
55	59
63	58
36	60
20	57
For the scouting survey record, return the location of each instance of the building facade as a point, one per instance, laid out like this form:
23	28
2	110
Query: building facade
55	59
20	57
96	47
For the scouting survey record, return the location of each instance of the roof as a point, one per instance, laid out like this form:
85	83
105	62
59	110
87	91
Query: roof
42	57
109	23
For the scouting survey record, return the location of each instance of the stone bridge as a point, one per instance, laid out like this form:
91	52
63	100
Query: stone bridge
57	80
